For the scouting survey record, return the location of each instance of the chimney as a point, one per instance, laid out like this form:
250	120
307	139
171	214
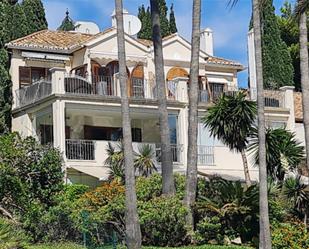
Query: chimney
207	41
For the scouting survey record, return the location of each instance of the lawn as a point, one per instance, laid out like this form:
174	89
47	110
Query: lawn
75	246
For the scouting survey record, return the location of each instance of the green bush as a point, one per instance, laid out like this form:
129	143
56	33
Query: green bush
289	236
162	222
57	246
209	229
11	236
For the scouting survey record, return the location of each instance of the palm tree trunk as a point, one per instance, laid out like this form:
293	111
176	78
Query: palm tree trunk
191	179
246	167
265	239
303	40
133	232
168	187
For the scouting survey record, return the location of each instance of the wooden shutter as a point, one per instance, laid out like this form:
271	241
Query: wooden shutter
24	76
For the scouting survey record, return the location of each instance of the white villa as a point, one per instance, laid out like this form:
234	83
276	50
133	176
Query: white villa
66	92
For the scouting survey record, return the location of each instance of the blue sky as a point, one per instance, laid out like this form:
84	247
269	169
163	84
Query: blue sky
230	26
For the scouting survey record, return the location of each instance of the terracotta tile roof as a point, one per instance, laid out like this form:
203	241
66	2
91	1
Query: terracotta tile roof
298	106
222	61
54	40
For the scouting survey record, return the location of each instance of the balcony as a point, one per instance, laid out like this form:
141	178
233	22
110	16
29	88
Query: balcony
205	155
272	98
95	150
104	86
215	91
33	93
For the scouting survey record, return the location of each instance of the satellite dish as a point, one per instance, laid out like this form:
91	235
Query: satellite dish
87	27
131	24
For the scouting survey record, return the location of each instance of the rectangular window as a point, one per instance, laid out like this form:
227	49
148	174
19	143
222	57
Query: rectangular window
172	122
24	76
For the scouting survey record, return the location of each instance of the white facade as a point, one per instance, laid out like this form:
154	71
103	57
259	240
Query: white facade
70	96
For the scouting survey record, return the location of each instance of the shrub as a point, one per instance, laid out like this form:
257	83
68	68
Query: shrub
162	221
148	188
209	229
11	236
289	235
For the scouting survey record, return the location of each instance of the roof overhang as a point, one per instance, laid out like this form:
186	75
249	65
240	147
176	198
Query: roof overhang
45	56
99	172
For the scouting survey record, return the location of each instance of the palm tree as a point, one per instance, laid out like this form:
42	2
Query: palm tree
265	238
294	190
133	231
283	152
191	179
115	162
301	11
230	120
145	160
168	187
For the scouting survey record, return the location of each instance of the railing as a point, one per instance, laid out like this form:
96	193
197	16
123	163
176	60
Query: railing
30	94
176	152
272	98
205	155
216	91
100	85
80	149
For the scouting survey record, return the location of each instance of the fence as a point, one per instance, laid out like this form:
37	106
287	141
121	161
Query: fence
80	149
205	155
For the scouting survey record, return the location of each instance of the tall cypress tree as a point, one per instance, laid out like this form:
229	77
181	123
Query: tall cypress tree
67	23
172	23
164	24
35	13
277	63
145	17
16	21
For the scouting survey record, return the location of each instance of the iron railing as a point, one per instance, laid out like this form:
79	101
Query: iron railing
30	94
176	152
272	98
205	155
80	149
215	91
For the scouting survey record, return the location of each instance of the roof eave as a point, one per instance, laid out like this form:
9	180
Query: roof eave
40	49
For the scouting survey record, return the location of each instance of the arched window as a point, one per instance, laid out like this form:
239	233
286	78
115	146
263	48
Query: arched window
137	82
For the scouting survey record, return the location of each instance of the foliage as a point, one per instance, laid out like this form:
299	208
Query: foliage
144	161
209	229
230	120
172	23
11	236
148	188
35	13
235	205
56	223
30	177
283	152
289	235
5	96
289	31
167	26
277	64
67	23
296	192
163	222
57	246
115	162
204	247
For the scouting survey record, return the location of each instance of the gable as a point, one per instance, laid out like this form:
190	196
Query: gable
179	51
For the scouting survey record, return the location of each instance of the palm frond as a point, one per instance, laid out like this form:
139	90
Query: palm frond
301	7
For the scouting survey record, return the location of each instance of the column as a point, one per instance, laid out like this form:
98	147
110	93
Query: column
58	75
288	98
59	125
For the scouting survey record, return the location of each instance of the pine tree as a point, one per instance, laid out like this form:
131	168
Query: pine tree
67	23
172	23
277	63
35	13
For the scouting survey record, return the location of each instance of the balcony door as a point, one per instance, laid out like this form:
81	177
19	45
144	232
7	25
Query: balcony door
136	86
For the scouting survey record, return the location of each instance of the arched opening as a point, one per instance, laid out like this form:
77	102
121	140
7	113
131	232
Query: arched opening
136	88
177	72
173	73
